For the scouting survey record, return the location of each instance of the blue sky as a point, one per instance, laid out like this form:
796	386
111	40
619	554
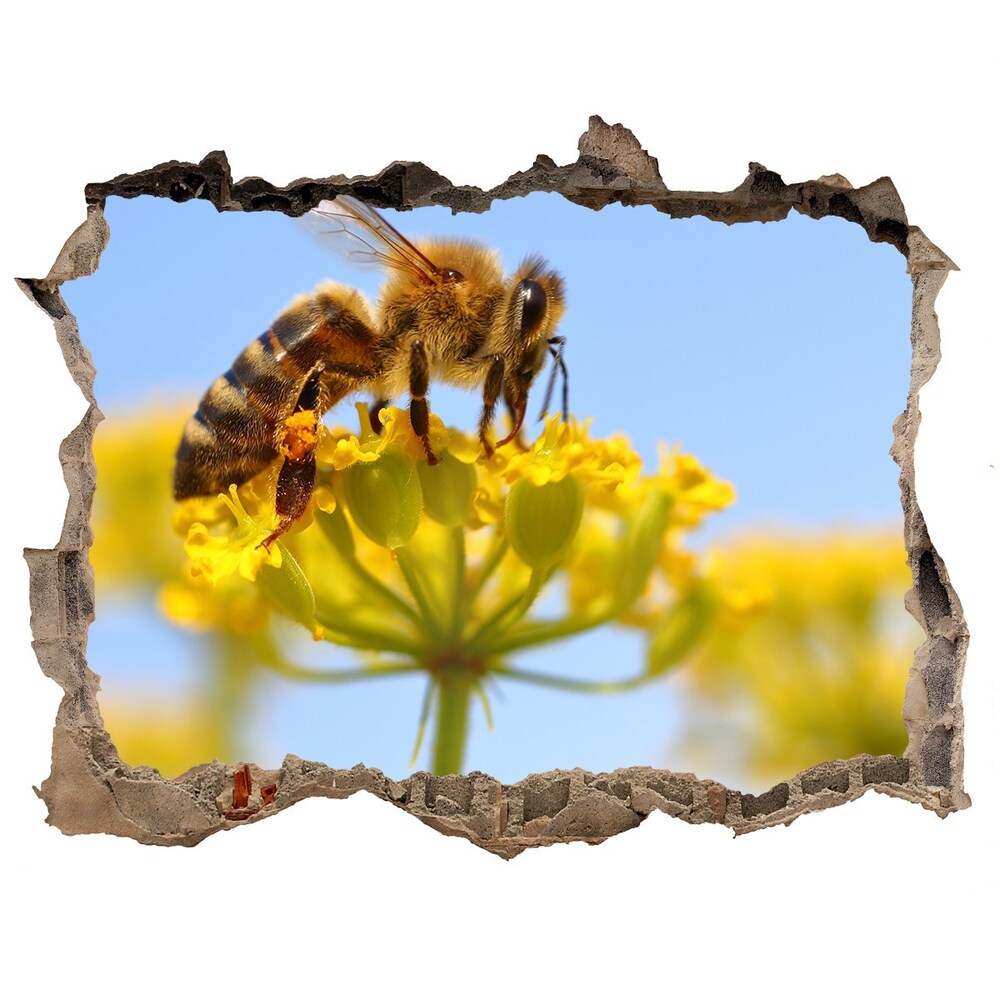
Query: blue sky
778	354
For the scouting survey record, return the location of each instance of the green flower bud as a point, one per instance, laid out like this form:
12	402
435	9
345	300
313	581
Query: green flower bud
287	587
642	545
384	498
448	488
679	632
541	521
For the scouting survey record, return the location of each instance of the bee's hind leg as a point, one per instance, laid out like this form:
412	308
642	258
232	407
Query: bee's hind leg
419	413
297	445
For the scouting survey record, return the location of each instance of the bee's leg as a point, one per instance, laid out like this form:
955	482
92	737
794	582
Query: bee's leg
508	399
297	444
295	488
517	416
492	388
374	409
558	365
420	370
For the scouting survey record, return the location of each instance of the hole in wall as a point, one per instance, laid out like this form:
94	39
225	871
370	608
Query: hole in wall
658	349
737	344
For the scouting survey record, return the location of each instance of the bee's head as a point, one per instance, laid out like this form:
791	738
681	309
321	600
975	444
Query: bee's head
534	307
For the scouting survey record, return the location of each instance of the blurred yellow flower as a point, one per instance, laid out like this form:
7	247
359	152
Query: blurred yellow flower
695	491
170	734
808	657
197	604
132	503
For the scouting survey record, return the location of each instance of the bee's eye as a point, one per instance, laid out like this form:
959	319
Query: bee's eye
533	305
453	276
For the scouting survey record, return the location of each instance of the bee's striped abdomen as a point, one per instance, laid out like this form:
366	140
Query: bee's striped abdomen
228	440
232	435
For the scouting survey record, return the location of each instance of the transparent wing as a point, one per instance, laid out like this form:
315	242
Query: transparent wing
355	230
324	226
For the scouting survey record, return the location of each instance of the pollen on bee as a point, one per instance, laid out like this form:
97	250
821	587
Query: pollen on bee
299	437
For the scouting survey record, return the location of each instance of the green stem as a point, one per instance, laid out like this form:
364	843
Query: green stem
292	672
507	614
411	574
485	702
569	683
489	566
356	637
458	605
454	691
376	586
538	633
425	711
341	539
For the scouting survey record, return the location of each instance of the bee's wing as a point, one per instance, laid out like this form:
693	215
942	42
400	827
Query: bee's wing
325	225
348	224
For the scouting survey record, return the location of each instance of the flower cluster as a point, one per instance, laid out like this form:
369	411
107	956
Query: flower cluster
440	567
794	648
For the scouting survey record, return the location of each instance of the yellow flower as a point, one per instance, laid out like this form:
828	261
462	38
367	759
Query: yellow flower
134	550
565	448
592	563
256	498
339	450
487	507
695	491
240	551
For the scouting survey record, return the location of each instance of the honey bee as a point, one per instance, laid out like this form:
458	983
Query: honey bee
445	311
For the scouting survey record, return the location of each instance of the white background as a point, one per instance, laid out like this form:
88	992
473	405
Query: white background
354	897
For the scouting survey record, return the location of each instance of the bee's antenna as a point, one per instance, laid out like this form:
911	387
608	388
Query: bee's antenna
558	365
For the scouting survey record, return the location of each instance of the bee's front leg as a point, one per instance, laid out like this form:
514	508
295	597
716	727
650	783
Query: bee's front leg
296	443
517	408
515	396
420	370
512	410
557	347
492	388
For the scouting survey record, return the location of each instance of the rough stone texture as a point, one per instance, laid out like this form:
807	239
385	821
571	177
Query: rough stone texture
91	790
763	805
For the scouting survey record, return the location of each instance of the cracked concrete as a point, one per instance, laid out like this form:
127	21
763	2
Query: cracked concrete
91	790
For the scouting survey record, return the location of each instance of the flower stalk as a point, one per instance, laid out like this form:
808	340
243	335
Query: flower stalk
454	702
